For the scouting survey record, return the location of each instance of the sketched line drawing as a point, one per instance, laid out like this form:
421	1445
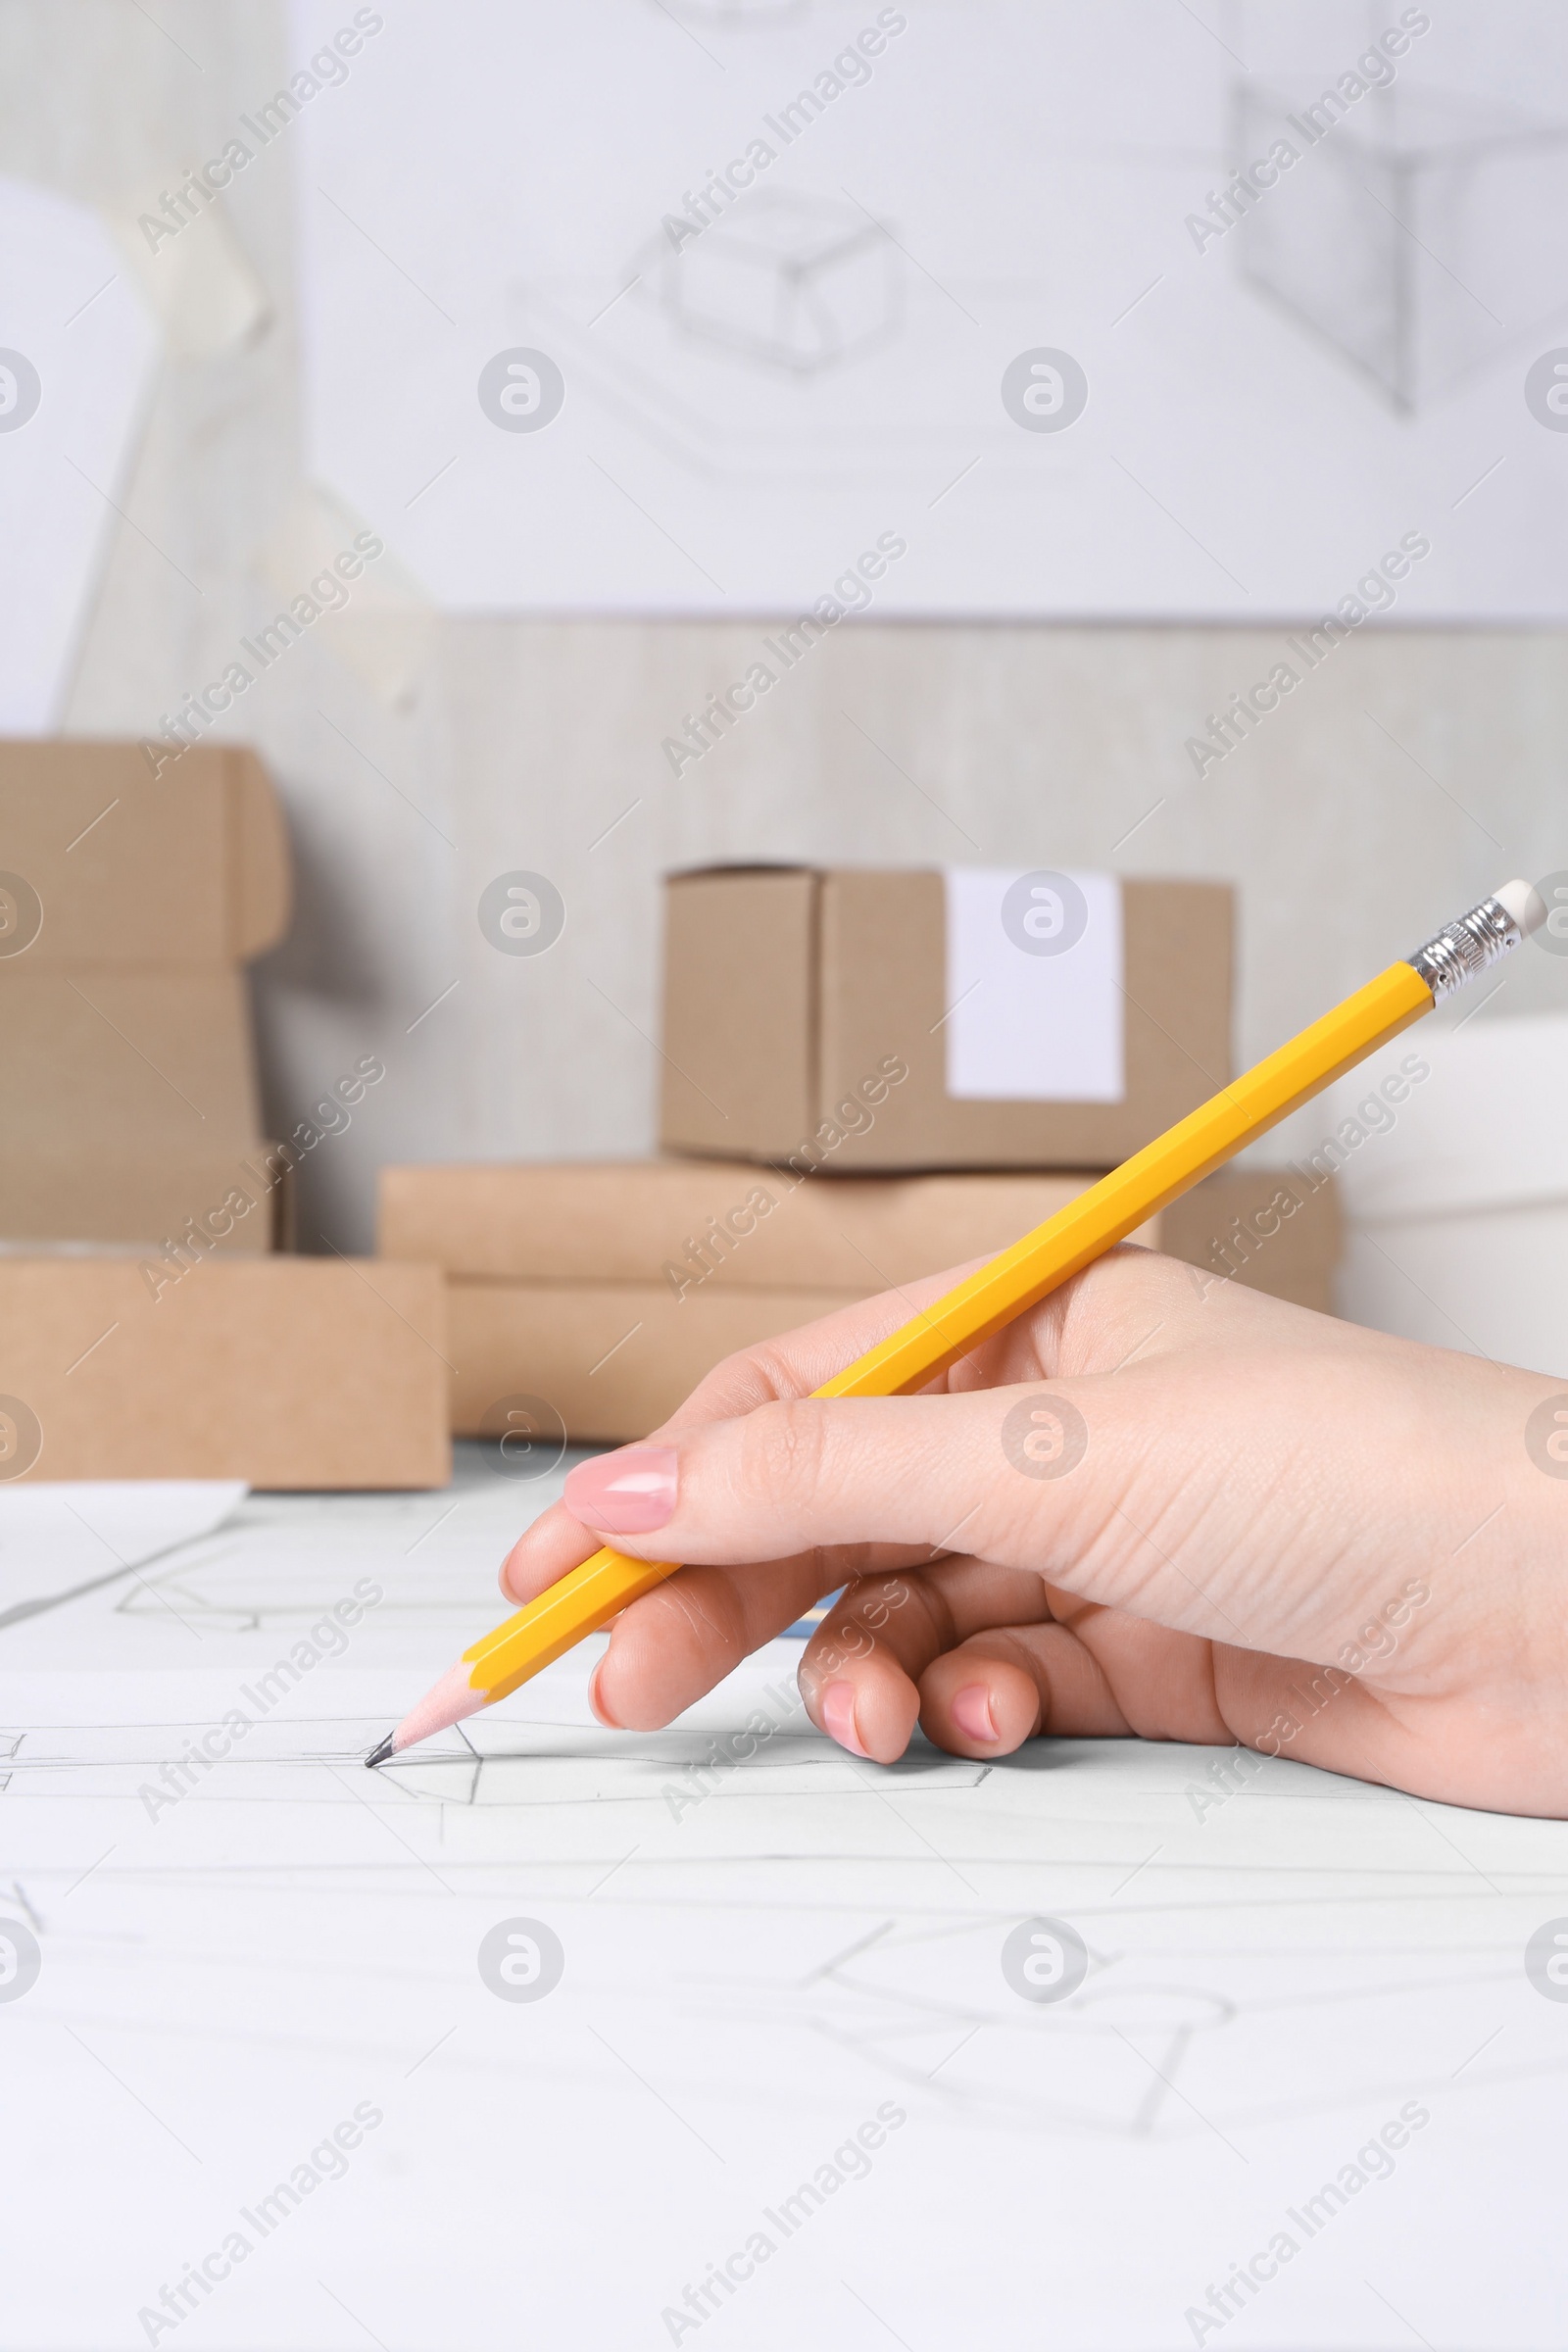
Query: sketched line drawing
793	283
1420	235
1159	2044
520	1766
597	1770
1298	1953
227	1587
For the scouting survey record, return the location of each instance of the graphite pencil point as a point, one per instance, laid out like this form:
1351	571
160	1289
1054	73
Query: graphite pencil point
378	1756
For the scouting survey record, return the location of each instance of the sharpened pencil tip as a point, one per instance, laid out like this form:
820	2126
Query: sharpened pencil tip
378	1756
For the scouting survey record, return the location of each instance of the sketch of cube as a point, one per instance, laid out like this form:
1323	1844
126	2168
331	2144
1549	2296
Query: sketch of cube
795	283
1420	233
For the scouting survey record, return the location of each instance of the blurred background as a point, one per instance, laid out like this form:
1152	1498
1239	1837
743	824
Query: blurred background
622	331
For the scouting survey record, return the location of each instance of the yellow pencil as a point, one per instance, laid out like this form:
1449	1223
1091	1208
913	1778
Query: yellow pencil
1009	1285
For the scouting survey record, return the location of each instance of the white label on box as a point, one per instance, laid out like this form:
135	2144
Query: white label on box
1034	996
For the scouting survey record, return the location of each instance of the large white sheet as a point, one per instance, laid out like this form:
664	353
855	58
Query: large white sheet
77	349
868	340
759	1956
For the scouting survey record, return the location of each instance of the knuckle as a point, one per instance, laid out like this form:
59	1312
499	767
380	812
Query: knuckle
705	1608
935	1615
783	1449
740	1384
764	1371
905	1608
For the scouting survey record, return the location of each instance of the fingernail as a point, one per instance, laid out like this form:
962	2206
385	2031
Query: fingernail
627	1494
971	1712
838	1714
596	1703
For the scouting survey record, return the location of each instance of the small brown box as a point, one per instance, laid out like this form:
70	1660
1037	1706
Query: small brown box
795	994
128	904
187	870
287	1372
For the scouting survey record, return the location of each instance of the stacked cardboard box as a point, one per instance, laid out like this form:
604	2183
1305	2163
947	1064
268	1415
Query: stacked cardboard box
146	1330
128	912
869	1077
605	1292
587	1302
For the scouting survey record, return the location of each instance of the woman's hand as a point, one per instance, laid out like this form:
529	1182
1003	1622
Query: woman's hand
1158	1504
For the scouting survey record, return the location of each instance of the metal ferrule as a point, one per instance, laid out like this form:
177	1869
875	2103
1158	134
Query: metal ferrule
1472	943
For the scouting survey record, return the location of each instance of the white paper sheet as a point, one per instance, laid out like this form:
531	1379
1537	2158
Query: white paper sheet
866	340
762	1952
59	1535
1034	976
81	349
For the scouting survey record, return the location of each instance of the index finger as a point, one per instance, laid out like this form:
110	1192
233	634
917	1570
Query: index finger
771	1372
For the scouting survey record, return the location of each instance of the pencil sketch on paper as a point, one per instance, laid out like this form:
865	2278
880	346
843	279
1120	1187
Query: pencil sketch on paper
1285	1958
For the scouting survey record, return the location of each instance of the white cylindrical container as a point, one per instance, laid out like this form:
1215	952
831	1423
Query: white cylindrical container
1451	1150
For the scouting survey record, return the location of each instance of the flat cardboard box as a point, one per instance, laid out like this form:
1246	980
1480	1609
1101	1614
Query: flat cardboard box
1278	1230
302	1373
686	1223
128	906
600	1360
787	991
594	1297
603	1292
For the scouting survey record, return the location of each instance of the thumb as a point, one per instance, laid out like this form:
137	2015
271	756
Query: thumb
1009	1474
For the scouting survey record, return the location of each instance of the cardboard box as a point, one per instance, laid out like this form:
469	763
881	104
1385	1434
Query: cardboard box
586	1302
128	907
1277	1230
104	1056
825	1015
603	1293
187	871
290	1373
692	1224
55	1193
594	1362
